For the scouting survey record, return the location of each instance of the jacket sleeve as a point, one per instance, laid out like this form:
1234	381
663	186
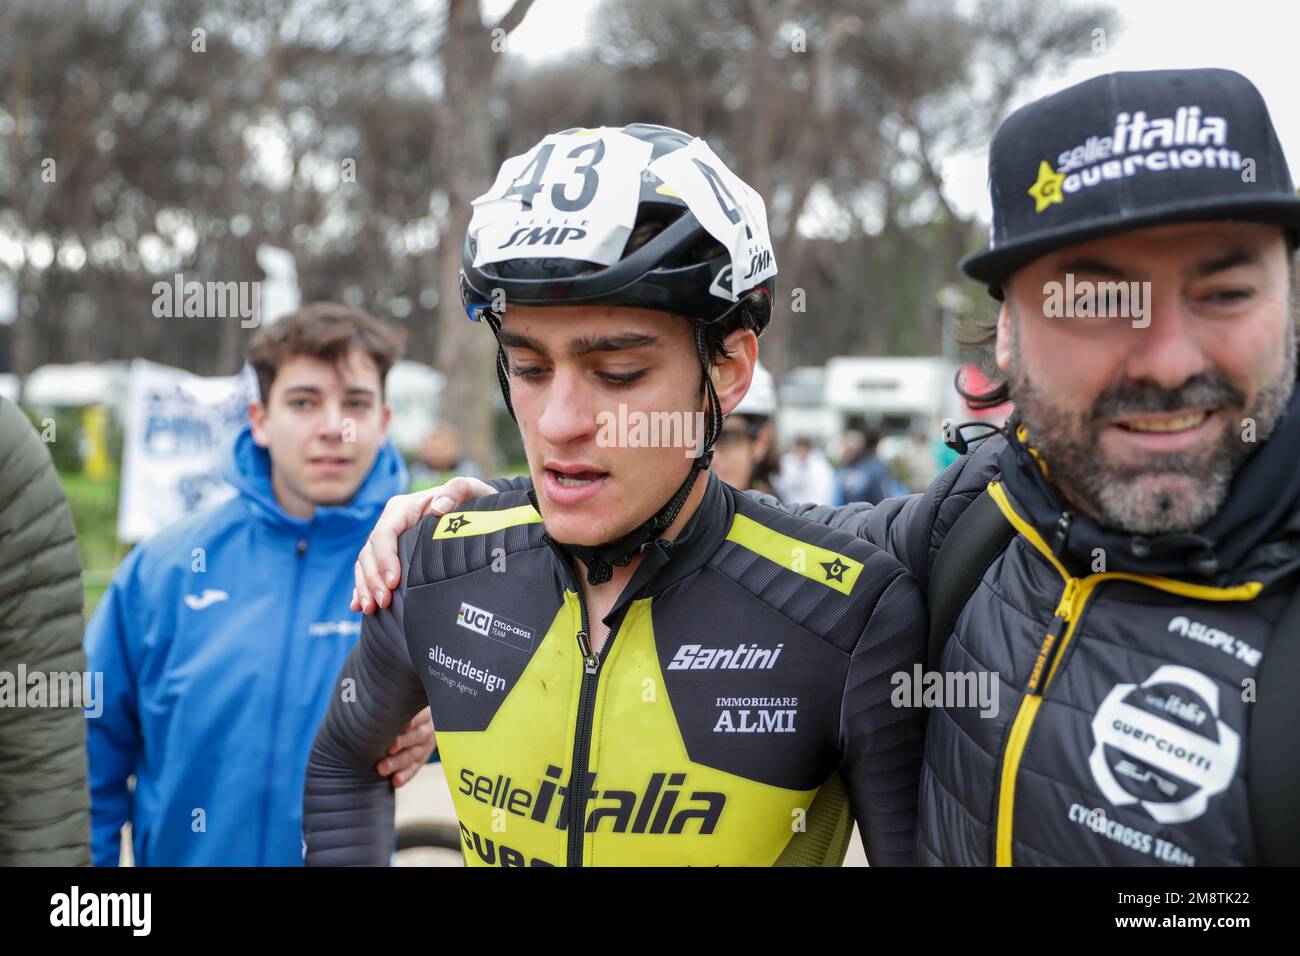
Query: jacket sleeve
881	743
44	801
113	735
347	806
911	527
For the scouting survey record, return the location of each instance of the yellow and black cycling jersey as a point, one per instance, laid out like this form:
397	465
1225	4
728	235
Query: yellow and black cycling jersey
739	714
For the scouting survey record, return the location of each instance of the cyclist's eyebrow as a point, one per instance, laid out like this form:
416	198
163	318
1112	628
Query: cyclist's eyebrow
519	341
583	345
612	343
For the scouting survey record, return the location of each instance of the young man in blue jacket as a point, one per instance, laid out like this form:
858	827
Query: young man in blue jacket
221	638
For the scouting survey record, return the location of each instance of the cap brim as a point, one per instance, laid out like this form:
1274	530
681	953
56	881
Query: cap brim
994	266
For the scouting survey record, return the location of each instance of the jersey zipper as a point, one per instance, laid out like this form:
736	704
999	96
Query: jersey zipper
277	703
582	730
582	736
591	664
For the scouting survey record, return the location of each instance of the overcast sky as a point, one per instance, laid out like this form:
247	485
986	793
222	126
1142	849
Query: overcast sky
1259	38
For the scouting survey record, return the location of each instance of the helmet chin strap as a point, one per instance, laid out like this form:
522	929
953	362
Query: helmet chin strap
600	560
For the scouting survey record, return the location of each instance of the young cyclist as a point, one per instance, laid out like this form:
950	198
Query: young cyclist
627	660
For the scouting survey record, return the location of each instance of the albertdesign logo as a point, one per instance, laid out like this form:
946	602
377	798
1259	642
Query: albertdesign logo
466	668
1186	140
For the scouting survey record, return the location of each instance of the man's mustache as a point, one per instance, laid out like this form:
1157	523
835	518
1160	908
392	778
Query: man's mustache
1143	395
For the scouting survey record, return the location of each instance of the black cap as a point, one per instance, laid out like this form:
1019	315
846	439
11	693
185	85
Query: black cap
1128	150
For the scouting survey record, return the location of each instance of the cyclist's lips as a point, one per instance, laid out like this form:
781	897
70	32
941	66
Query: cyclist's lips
572	484
330	464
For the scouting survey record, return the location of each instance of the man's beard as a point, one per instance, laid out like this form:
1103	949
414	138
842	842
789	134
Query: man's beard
1170	492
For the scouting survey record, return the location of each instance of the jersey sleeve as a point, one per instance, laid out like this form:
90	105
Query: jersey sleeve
890	525
910	527
347	805
881	743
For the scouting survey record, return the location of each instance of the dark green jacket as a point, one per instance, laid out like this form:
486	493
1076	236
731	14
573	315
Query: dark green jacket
44	799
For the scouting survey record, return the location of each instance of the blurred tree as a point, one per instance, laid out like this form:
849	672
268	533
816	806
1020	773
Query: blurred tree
463	145
144	138
148	138
840	113
140	140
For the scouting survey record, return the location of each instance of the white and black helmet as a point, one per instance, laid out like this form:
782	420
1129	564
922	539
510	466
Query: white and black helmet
554	230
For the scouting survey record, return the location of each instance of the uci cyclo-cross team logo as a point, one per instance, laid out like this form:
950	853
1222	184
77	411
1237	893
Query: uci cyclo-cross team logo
495	626
1161	744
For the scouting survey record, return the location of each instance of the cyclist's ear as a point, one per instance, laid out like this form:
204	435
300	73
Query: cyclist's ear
732	375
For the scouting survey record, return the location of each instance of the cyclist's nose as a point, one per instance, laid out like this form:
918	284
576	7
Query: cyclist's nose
567	410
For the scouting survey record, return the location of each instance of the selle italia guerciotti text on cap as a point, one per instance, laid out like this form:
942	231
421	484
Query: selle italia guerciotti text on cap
1128	150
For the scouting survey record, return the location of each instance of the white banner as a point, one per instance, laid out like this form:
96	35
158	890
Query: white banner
178	431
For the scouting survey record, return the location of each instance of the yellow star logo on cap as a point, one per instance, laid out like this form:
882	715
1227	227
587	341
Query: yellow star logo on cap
1048	188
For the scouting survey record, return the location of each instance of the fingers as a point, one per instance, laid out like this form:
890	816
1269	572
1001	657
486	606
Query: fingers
421	736
380	566
409	751
399	761
371	577
417	733
378	570
362	599
402	777
456	492
461	490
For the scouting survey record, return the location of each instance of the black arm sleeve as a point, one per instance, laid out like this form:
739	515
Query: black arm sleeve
890	525
911	528
347	815
881	743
